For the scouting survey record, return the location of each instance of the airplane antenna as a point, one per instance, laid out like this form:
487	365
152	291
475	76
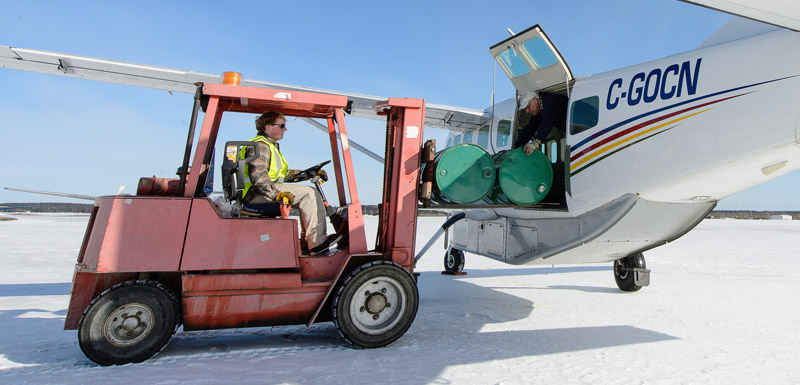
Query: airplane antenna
510	31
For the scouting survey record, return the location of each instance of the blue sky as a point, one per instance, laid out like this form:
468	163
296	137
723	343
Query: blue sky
62	134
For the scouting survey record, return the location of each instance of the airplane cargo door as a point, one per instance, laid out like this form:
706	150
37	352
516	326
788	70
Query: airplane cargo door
531	61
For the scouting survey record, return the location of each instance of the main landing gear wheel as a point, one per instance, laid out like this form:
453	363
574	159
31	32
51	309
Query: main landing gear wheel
624	272
375	304
129	322
454	261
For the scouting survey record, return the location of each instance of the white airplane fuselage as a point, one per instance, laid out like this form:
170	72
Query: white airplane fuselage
672	137
696	126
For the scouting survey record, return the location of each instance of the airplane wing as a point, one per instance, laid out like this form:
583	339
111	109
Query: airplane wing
174	80
783	13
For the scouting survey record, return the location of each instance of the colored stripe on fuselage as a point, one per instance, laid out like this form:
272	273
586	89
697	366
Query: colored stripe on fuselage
585	159
581	160
615	126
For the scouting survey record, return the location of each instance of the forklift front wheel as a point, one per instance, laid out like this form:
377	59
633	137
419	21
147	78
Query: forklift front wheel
129	322
375	305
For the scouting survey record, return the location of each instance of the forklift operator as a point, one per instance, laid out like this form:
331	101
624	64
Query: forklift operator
267	173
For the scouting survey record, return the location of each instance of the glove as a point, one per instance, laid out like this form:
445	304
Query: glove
290	174
529	148
285	197
322	175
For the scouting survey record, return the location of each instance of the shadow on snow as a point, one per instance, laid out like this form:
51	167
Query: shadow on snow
453	327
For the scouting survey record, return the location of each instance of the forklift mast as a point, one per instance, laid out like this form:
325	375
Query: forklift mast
397	226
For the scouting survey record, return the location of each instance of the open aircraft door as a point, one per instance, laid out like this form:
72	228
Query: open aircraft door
532	62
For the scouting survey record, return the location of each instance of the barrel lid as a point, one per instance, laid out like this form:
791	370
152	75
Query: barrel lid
464	173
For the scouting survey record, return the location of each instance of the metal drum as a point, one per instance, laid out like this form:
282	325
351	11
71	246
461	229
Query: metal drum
521	179
463	174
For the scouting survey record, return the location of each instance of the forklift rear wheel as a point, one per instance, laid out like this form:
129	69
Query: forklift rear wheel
376	304
626	280
130	322
454	261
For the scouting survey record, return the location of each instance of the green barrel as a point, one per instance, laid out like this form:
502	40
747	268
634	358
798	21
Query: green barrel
521	179
463	174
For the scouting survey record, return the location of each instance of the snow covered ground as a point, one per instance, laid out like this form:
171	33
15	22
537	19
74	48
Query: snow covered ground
722	308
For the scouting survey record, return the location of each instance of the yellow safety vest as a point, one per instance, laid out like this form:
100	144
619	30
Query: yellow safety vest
277	164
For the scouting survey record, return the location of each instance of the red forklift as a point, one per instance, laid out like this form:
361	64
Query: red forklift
171	256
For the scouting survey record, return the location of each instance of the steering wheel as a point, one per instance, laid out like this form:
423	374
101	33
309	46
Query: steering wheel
307	173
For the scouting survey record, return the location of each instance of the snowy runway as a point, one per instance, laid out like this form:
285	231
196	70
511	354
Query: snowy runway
722	307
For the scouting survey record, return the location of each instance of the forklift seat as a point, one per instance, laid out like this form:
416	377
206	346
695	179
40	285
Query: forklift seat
233	181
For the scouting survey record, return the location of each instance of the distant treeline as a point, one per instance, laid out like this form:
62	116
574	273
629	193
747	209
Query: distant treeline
50	207
53	207
748	214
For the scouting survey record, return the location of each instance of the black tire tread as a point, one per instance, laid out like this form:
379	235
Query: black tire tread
628	283
140	282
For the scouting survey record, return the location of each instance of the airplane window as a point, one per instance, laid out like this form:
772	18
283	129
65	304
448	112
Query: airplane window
468	137
503	133
553	155
449	141
540	52
483	136
457	140
584	114
512	63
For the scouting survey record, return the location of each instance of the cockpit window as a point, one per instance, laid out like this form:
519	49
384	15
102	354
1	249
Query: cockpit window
584	114
512	63
541	54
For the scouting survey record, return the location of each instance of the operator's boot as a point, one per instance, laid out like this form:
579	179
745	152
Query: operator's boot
326	244
303	246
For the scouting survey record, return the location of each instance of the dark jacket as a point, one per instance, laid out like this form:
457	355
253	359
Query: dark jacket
553	114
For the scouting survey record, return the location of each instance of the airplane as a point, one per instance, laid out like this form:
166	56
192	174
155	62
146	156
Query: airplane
2	218
647	153
15	207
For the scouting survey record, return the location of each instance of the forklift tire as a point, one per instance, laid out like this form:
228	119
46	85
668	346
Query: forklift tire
375	305
625	278
130	322
454	261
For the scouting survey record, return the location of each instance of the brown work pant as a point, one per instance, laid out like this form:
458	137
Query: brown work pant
312	211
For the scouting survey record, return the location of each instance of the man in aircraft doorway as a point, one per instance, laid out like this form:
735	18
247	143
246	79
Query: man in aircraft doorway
547	111
266	184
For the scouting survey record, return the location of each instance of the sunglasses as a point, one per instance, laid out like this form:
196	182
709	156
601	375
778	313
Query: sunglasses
282	125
